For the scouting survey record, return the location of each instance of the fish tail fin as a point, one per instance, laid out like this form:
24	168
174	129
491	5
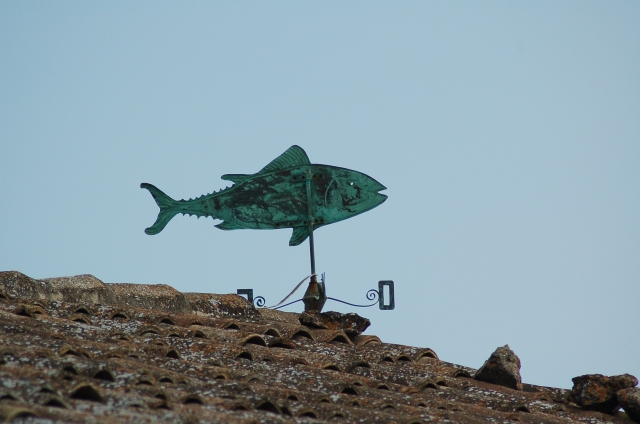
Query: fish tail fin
167	207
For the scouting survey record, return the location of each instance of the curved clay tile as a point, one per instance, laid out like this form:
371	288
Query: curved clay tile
86	391
298	333
104	375
83	309
364	340
193	399
145	379
54	402
150	329
331	367
29	311
245	354
282	343
119	314
273	332
10	413
425	354
68	350
255	339
328	336
81	318
165	319
172	353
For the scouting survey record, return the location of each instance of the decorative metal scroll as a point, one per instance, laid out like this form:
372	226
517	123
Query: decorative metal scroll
258	301
289	192
392	300
377	296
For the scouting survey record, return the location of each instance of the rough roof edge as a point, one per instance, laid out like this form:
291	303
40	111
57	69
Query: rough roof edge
88	289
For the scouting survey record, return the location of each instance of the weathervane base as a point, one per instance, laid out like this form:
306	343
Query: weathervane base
315	296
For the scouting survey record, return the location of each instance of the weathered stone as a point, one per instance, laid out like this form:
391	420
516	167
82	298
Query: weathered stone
629	399
597	392
352	324
502	368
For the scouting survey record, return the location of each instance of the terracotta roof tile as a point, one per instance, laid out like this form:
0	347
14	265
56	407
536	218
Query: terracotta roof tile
77	350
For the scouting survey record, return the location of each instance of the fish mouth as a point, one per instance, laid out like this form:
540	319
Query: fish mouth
381	196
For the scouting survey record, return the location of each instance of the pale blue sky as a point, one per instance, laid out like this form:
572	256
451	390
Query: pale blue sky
507	133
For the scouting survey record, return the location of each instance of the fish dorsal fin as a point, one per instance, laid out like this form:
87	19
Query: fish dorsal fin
236	178
299	235
294	156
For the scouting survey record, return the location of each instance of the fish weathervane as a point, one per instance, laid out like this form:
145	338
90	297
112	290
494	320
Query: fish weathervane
290	192
276	197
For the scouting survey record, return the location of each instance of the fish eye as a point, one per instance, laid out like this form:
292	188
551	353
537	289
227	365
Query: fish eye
350	183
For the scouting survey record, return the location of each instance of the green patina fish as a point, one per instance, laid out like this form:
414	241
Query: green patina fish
276	197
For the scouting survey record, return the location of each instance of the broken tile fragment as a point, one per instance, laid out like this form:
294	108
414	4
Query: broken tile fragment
629	399
598	392
502	368
352	324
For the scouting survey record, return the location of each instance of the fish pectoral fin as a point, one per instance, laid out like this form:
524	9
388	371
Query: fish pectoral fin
299	235
292	157
229	225
235	178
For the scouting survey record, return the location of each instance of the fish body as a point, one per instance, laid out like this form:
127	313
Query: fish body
276	197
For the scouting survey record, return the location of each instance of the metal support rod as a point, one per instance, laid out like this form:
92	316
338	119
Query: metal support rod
315	297
310	222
